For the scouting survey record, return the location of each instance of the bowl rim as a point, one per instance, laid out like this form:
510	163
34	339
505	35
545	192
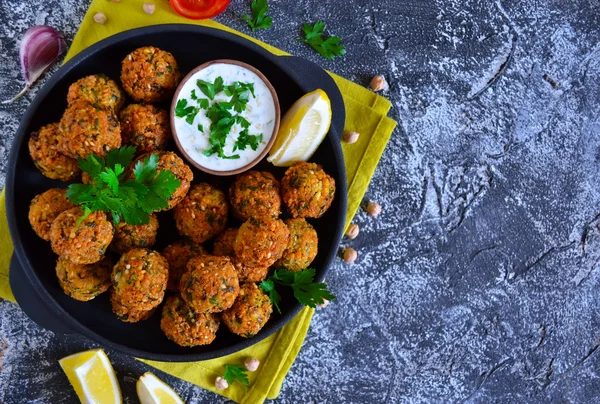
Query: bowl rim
39	288
266	149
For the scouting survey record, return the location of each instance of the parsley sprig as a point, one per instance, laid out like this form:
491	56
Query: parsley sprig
130	200
236	373
328	48
305	290
221	114
259	20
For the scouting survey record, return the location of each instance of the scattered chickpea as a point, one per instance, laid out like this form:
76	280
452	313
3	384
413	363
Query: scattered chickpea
324	304
149	8
221	384
100	18
350	255
251	364
378	83
351	137
373	209
352	231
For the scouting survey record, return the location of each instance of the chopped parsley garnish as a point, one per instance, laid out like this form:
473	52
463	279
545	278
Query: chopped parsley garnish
221	115
328	48
259	20
130	200
305	290
236	373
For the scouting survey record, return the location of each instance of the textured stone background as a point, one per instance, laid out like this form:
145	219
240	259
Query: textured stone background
479	282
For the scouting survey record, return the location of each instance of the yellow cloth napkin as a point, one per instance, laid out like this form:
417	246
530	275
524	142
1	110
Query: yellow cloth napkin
365	113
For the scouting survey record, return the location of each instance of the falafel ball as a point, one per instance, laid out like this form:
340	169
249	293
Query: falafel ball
250	274
85	129
225	241
178	254
82	242
307	190
146	127
302	247
84	282
43	148
261	241
128	314
128	236
249	313
140	279
184	326
209	284
202	214
46	207
99	90
149	74
255	193
172	162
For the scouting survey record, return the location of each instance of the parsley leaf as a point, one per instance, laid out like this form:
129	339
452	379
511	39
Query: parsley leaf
181	109
132	200
237	373
200	127
190	118
245	139
211	89
328	48
193	95
259	20
305	290
203	102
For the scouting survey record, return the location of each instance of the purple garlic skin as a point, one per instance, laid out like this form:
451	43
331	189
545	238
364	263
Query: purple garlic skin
40	47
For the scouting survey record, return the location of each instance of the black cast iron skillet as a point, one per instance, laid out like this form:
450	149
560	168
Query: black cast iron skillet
32	274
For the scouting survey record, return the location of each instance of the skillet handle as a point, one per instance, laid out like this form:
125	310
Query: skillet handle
31	303
305	71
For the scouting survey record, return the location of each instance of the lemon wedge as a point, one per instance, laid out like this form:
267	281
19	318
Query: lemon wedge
302	129
152	390
92	376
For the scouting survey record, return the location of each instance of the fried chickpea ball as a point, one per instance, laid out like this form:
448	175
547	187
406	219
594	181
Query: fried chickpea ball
249	313
184	326
255	193
146	127
46	207
140	279
149	74
210	284
85	129
84	282
99	90
307	190
261	241
81	243
302	247
250	274
178	254
172	162
43	148
128	236
202	214
225	241
128	314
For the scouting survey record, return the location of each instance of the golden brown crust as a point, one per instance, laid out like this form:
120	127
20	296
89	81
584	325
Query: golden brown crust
43	148
261	241
99	90
307	190
202	214
46	207
249	313
129	236
81	243
224	242
184	326
178	254
302	247
255	193
128	314
150	74
84	282
146	127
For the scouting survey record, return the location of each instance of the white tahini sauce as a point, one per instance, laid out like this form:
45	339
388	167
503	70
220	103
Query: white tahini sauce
260	112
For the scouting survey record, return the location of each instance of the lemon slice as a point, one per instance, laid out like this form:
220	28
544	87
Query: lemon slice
302	129
152	390
92	376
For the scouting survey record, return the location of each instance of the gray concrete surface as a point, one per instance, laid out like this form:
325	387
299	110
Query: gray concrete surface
480	281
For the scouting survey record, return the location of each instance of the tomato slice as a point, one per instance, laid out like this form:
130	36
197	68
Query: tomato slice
199	9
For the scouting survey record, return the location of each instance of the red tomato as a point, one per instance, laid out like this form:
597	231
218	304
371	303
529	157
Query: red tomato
199	9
